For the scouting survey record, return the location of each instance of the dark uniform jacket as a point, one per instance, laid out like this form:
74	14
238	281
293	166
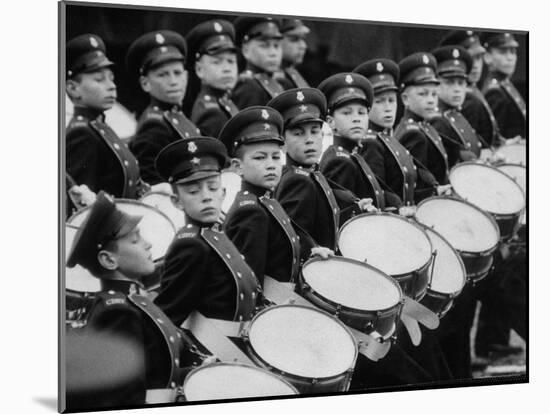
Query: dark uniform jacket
204	271
391	163
507	105
256	87
480	116
315	204
459	139
96	156
291	76
342	164
211	110
159	125
426	147
263	233
120	312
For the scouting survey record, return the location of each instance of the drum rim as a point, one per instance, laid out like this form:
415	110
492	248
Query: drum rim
460	260
240	365
171	196
495	168
493	221
383	213
246	338
347	308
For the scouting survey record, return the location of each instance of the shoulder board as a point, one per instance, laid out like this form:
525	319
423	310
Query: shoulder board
342	154
492	84
78	122
112	298
411	125
210	105
371	135
245	198
188	231
300	171
152	113
246	75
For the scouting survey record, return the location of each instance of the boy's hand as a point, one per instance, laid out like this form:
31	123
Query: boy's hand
365	204
81	196
164	188
407	211
444	189
322	252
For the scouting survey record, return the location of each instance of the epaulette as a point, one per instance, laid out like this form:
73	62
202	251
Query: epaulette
188	231
245	75
411	124
300	171
78	122
112	298
492	84
339	151
210	105
245	198
371	135
152	113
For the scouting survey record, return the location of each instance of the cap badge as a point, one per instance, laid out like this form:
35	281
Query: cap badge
159	38
379	67
425	59
267	127
456	53
303	108
300	96
93	42
469	32
192	147
349	79
218	27
265	115
195	161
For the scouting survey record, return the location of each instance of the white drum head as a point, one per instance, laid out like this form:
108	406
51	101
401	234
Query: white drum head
232	183
302	341
226	381
351	284
488	188
385	241
154	227
465	227
514	153
78	278
517	172
165	203
449	273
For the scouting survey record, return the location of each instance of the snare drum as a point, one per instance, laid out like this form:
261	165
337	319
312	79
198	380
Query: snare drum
312	350
220	380
398	247
165	203
448	275
491	190
231	181
519	174
359	295
513	153
472	232
155	227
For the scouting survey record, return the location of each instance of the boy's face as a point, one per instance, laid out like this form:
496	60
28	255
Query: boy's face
265	54
132	254
294	49
350	120
202	199
219	71
94	90
384	109
261	164
421	99
304	142
452	91
502	59
167	83
477	68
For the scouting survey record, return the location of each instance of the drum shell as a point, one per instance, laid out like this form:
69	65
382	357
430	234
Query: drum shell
437	302
304	385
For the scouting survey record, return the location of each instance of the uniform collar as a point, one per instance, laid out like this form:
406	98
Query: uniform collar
443	106
125	286
209	90
377	128
255	69
347	143
498	75
293	163
408	114
164	106
89	113
256	190
213	226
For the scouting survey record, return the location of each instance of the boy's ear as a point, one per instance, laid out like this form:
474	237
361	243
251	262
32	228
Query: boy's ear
107	260
488	58
245	50
405	98
144	82
330	122
73	90
236	165
199	69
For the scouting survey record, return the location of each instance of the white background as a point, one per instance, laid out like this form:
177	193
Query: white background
29	204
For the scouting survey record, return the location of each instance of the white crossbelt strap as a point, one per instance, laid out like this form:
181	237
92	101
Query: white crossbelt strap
206	331
283	293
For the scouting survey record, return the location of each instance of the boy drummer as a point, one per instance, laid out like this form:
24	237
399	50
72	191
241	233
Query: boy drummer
256	222
203	270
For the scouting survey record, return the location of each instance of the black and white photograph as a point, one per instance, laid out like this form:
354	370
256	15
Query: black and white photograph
261	206
274	206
